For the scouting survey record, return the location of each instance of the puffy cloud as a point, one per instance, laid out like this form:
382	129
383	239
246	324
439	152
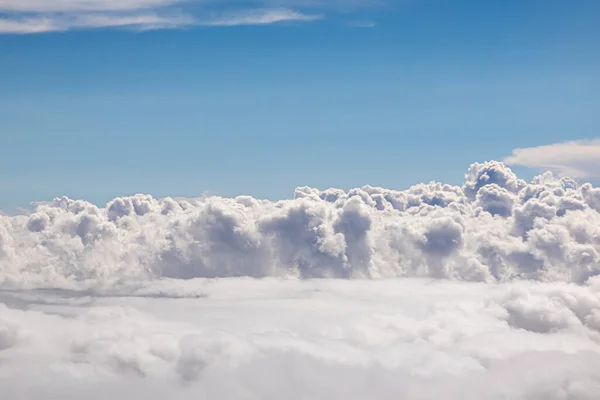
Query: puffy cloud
158	298
296	339
494	228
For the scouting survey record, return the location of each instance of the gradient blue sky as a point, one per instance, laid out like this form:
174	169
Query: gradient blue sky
346	94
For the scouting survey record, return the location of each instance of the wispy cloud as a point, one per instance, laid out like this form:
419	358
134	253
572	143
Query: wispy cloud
260	17
92	21
49	6
576	159
361	24
37	16
27	25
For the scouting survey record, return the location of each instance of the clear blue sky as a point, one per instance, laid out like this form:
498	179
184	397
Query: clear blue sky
386	94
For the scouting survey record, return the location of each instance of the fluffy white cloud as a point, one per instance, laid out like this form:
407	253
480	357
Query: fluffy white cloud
292	339
494	228
493	292
577	159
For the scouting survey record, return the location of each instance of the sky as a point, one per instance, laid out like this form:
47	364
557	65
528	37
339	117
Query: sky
468	269
103	98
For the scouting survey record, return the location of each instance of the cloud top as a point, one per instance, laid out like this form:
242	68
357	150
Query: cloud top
494	228
319	339
498	296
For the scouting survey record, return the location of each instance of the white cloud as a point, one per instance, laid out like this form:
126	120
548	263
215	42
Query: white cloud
27	25
147	21
317	339
496	227
259	17
90	21
49	6
577	159
153	298
37	16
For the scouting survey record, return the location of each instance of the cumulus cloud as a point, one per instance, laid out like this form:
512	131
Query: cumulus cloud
293	339
577	159
488	290
494	228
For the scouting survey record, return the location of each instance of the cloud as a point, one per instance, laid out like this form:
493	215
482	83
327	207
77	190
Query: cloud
64	6
217	297
27	25
148	21
29	17
494	228
259	17
362	24
317	339
91	21
577	159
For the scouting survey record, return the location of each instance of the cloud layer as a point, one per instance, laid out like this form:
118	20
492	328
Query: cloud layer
321	339
494	228
494	293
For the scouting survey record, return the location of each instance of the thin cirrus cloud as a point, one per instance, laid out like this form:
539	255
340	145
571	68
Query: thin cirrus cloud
92	21
40	6
39	16
260	17
577	159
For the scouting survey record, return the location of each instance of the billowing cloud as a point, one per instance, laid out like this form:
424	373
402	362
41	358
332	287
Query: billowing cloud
486	290
292	339
577	159
494	228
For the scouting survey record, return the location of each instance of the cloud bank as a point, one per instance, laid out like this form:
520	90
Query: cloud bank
494	228
320	339
492	292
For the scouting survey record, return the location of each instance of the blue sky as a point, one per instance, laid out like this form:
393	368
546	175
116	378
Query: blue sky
100	98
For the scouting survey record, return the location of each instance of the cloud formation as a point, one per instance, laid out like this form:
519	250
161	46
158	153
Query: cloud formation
319	339
37	16
578	159
494	228
91	21
493	292
259	17
39	6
